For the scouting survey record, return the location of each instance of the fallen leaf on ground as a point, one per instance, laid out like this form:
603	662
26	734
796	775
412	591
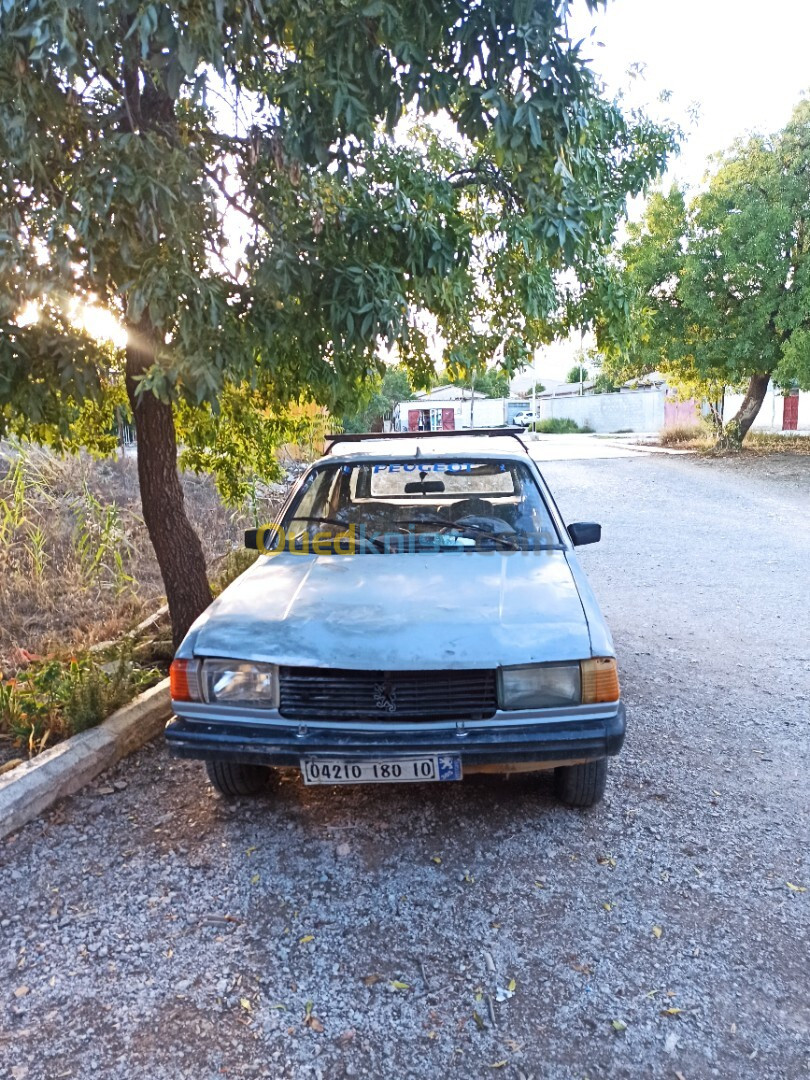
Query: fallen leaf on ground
250	850
315	1024
606	860
436	858
479	1023
671	1012
618	1025
511	985
499	1064
306	938
255	879
607	906
796	888
398	984
370	980
245	1003
657	931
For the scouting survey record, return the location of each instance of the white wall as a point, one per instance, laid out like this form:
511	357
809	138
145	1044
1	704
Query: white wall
630	410
487	412
769	417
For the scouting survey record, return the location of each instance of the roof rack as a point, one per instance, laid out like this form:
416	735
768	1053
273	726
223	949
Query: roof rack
366	436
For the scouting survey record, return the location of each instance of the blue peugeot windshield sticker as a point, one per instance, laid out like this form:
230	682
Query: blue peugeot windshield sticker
426	467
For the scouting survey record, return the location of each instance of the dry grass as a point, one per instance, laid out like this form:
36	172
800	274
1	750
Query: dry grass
763	443
76	564
701	437
688	437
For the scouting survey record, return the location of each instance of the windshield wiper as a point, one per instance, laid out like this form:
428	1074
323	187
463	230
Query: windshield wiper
376	545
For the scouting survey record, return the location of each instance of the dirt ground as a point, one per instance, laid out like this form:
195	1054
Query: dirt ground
149	929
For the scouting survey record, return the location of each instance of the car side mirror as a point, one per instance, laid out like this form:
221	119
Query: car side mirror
584	532
260	539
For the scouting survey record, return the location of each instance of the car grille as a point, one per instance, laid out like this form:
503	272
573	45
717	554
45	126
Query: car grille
333	694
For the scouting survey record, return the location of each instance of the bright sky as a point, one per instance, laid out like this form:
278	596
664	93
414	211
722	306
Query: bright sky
742	63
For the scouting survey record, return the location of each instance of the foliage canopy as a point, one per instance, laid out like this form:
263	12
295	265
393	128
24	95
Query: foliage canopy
719	285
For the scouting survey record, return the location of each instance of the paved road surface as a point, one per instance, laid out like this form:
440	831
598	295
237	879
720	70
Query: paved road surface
147	929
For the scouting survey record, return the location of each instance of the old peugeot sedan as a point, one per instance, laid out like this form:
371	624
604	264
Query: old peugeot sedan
417	613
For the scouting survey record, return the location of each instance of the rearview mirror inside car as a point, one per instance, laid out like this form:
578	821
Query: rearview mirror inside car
424	487
585	532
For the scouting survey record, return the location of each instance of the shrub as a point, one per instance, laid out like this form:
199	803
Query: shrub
560	426
54	699
684	433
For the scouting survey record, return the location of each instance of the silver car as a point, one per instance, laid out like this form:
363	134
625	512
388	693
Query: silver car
417	613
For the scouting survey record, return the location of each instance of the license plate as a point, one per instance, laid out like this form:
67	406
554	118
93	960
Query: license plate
381	770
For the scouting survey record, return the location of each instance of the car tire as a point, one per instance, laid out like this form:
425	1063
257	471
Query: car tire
582	785
231	778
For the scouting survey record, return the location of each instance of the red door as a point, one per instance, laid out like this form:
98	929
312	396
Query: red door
790	411
413	420
448	420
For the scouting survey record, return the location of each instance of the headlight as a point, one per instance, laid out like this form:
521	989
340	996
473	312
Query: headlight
237	682
540	686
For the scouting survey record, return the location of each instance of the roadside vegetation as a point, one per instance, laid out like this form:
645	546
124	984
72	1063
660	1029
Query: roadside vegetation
718	283
77	576
560	426
702	438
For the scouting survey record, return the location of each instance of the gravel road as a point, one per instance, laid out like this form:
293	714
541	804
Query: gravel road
148	929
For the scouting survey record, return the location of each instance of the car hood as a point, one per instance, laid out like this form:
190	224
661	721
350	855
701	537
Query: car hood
398	612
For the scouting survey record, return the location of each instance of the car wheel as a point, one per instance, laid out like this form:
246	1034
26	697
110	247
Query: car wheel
582	785
232	778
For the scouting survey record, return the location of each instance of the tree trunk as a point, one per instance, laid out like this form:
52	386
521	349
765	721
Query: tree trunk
736	429
177	546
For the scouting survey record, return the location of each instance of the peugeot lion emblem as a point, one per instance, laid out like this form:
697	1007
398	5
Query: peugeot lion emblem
385	698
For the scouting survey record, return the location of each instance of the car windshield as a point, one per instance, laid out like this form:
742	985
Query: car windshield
429	505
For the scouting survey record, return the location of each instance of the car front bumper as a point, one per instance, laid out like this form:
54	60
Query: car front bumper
547	742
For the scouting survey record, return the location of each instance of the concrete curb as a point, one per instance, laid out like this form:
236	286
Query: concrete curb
32	787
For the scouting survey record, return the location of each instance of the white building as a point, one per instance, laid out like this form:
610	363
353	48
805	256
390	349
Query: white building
449	408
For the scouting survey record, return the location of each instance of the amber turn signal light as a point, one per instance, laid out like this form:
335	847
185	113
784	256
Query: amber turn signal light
600	680
184	682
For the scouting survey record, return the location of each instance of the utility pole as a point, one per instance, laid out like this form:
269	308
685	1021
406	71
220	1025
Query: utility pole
534	388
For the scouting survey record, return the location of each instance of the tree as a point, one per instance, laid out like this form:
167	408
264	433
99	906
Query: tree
492	382
385	392
578	373
719	286
604	384
538	388
223	178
